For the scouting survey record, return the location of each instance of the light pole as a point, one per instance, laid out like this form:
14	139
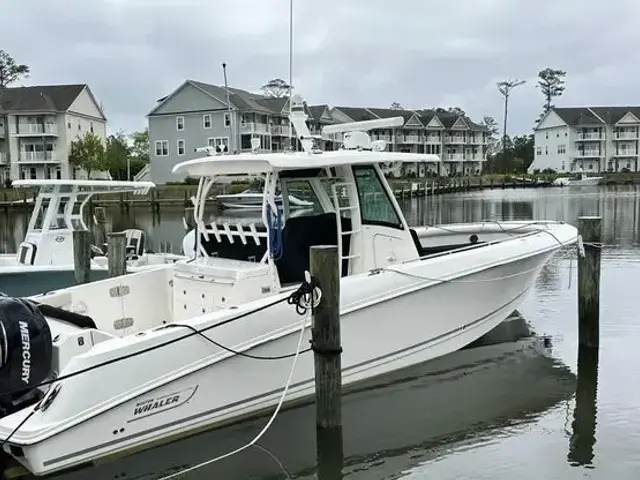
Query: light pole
505	88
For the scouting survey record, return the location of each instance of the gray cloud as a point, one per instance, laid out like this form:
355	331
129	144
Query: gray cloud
420	53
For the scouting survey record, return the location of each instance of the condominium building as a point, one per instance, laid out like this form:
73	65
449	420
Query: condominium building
198	114
37	126
591	139
460	143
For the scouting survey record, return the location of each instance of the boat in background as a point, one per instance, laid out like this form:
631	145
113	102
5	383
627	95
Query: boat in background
44	259
581	179
252	199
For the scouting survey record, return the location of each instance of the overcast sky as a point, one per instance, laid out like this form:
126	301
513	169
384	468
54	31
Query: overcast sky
421	53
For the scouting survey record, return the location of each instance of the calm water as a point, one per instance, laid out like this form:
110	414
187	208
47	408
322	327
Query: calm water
501	412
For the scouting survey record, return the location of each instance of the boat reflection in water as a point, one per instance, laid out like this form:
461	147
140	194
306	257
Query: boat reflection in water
389	425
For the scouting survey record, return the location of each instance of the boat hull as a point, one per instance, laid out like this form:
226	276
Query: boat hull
437	319
26	280
32	280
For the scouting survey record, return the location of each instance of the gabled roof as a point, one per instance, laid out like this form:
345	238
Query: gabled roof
40	98
578	116
613	115
357	114
392	112
320	113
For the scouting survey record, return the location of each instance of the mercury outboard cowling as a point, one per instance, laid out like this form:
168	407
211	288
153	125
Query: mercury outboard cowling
25	352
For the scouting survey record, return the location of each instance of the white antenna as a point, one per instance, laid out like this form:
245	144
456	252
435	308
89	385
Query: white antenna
232	142
290	68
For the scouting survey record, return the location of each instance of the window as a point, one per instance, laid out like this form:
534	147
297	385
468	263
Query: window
180	147
69	125
227	119
221	143
206	121
179	123
32	173
557	134
562	149
538	150
162	148
546	135
375	204
91	126
546	150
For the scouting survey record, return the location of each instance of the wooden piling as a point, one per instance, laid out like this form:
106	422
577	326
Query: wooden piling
590	229
189	218
325	334
117	253
81	256
100	226
583	436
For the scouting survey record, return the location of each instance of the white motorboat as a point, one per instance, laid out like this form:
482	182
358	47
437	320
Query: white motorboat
44	259
252	200
581	179
153	355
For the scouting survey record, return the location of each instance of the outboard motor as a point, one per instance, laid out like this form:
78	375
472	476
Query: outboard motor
25	353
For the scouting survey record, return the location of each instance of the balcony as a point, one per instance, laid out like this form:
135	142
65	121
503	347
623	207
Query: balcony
434	139
456	139
254	128
410	139
38	157
588	153
3	159
625	136
454	157
31	129
626	152
385	137
279	130
589	136
2	135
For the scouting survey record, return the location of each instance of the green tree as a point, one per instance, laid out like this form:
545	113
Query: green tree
516	158
10	71
117	153
88	153
494	133
276	88
552	84
140	147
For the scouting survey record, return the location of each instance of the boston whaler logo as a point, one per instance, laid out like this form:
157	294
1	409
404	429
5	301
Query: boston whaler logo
26	351
162	403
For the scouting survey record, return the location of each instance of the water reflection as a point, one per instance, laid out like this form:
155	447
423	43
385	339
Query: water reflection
389	424
583	438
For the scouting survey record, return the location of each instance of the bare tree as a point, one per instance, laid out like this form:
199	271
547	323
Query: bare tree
396	106
505	88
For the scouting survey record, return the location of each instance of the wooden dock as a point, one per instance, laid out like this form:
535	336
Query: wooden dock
24	199
454	185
